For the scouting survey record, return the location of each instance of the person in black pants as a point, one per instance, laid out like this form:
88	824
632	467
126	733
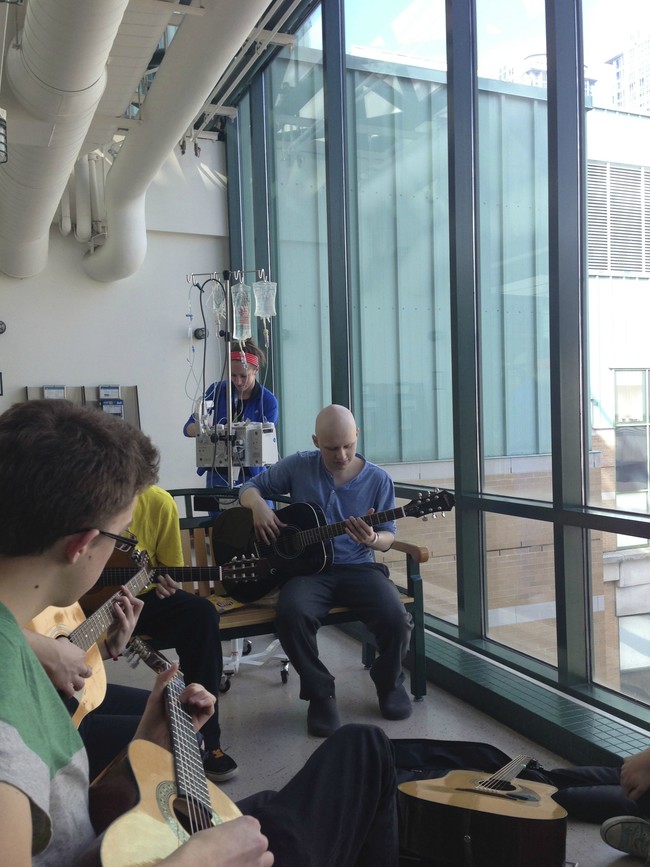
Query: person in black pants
191	625
167	614
181	620
631	833
339	809
346	487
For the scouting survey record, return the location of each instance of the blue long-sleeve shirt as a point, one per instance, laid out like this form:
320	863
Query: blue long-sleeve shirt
305	479
262	406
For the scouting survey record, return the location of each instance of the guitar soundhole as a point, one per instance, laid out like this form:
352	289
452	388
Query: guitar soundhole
506	787
500	786
287	545
191	816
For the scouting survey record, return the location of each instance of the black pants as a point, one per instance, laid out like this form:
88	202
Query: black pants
339	810
190	624
594	794
365	588
108	729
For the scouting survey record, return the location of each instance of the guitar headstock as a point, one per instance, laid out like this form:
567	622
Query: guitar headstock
433	502
137	650
140	558
245	569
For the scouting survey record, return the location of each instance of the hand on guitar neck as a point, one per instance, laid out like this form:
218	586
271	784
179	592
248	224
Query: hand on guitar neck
297	540
65	643
178	817
121	567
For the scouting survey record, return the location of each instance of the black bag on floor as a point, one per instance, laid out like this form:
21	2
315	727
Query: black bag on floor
588	794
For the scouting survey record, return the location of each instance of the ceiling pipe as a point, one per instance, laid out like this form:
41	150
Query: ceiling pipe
56	71
195	60
96	192
65	214
83	231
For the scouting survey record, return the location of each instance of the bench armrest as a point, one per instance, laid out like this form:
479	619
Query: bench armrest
416	552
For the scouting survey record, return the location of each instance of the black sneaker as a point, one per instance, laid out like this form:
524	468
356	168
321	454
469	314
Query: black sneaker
395	704
218	766
323	717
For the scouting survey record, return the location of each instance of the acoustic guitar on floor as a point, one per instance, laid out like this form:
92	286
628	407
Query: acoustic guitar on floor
304	546
470	819
176	799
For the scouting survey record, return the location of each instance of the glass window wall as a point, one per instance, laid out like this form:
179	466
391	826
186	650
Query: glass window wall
533	588
513	219
297	189
399	235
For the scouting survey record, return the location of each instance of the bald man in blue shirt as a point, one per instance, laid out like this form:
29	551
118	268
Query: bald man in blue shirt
346	486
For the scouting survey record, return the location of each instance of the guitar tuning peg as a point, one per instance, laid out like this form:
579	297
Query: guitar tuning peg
133	660
425	518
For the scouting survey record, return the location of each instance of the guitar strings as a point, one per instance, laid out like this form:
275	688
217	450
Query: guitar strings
86	634
191	783
504	776
189	767
311	535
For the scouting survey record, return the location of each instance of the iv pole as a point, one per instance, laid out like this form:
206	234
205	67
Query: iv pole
227	335
228	339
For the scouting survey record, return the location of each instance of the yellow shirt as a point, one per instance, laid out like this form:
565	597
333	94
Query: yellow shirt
156	525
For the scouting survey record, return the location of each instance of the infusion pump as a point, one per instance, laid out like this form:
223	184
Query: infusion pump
251	444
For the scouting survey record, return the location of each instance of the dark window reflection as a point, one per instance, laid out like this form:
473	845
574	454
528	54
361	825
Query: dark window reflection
631	459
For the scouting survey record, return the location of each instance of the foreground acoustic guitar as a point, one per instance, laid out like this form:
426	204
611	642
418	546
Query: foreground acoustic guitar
466	819
176	799
303	547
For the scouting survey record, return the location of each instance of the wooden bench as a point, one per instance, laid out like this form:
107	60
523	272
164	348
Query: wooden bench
254	619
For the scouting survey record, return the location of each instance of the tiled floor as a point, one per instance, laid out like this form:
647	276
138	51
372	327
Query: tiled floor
264	728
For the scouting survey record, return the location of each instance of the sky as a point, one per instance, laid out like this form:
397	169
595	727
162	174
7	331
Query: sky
509	29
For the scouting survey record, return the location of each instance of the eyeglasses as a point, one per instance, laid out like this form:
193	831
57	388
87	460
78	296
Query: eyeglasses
126	542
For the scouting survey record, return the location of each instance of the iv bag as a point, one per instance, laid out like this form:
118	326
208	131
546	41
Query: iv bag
219	304
241	309
264	292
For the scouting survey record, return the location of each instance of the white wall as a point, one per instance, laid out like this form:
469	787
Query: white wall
617	136
64	328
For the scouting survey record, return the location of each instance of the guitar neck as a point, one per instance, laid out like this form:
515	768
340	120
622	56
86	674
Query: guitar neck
86	635
329	531
190	773
191	781
113	576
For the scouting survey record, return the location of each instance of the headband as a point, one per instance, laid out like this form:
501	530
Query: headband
250	358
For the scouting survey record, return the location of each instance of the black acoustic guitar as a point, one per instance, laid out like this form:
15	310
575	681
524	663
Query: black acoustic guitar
303	547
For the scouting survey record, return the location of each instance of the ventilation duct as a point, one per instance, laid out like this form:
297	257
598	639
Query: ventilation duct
56	71
197	57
